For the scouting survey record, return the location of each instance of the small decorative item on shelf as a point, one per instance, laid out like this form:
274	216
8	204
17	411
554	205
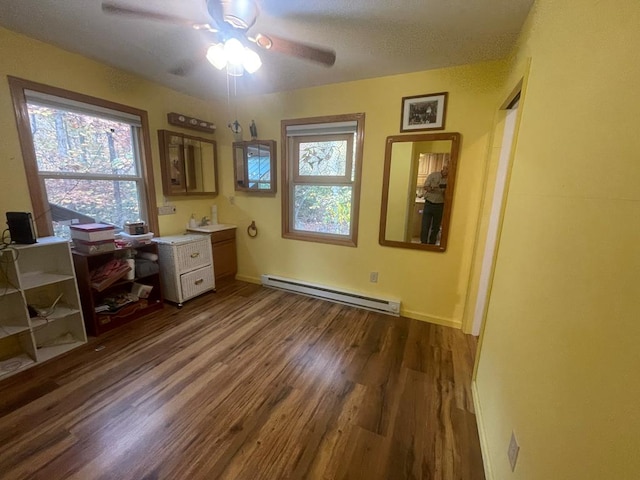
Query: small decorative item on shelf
190	122
136	228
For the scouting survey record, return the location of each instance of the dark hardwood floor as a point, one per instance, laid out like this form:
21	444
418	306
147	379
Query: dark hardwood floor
249	383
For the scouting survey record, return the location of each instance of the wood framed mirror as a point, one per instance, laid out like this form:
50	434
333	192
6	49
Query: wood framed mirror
254	166
189	164
417	191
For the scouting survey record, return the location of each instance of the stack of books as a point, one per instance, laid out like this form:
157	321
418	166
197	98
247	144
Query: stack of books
93	237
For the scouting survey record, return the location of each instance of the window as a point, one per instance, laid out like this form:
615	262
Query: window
322	178
85	159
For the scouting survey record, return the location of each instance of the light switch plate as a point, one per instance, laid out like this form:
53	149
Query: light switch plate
166	210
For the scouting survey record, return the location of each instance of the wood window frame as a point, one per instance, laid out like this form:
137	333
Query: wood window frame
290	178
37	191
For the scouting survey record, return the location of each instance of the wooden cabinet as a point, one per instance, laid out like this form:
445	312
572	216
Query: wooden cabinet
186	264
40	315
110	306
225	260
223	248
188	164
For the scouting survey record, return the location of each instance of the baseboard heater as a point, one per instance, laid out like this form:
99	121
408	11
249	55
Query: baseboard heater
391	307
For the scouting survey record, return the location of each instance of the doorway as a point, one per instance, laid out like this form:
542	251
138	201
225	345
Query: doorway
495	215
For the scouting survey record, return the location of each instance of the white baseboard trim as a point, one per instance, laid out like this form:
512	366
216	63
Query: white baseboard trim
484	447
246	278
388	306
445	322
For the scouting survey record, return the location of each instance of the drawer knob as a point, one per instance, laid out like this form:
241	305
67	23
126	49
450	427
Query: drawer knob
195	254
198	282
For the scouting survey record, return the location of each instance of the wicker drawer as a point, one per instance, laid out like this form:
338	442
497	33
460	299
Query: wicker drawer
193	255
196	282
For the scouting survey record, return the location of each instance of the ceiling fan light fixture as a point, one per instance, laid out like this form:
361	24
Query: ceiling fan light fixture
234	70
251	61
216	56
234	51
234	56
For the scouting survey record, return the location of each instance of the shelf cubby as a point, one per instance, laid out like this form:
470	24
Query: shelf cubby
39	303
98	323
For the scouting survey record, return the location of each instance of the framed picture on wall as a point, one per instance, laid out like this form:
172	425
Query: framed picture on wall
423	112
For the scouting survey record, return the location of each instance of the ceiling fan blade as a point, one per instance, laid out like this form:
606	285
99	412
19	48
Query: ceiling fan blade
116	9
320	55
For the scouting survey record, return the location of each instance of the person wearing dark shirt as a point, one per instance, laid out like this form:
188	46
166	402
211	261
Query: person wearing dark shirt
433	194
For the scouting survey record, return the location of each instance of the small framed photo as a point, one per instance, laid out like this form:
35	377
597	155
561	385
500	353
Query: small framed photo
423	112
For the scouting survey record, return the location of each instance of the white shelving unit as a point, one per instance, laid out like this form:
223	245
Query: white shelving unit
186	266
36	275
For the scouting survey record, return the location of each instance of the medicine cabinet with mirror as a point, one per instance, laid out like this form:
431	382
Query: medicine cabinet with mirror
254	166
189	164
417	192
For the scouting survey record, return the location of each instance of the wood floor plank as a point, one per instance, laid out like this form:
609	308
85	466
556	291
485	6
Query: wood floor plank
366	457
382	375
329	459
248	383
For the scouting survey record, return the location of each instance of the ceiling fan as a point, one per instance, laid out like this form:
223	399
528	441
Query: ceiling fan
230	21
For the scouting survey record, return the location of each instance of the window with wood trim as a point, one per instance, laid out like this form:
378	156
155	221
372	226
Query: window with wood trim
87	160
323	163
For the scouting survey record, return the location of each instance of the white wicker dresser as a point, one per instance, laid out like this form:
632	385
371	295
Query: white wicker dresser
186	266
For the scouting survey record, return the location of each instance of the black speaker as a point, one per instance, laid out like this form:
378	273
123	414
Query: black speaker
21	227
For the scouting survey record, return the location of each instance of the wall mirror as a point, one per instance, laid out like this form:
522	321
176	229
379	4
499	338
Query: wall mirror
417	191
189	164
254	166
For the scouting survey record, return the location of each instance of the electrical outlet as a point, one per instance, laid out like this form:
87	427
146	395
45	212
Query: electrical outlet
166	210
373	277
512	453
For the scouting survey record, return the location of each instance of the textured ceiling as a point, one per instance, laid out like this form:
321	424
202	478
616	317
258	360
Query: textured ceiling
371	38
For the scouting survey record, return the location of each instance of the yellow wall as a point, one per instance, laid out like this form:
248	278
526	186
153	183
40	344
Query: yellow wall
36	61
559	358
432	286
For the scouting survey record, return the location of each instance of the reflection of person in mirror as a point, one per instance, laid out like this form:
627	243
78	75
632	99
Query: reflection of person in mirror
433	194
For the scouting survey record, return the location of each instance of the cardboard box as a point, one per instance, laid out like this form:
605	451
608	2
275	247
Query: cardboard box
92	232
94	247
